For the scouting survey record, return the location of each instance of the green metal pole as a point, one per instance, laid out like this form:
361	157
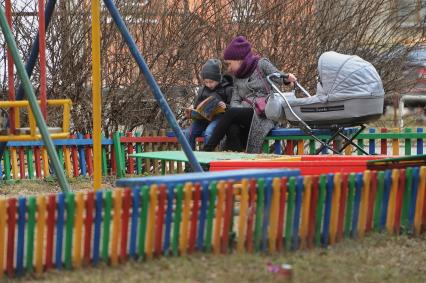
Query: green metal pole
33	102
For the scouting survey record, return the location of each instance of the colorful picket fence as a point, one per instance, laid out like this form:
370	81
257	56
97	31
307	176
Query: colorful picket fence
28	159
375	141
268	213
379	141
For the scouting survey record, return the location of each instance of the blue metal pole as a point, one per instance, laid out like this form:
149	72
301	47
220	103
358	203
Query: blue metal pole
153	84
29	67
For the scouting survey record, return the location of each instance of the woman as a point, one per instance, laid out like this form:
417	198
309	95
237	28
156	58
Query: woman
242	126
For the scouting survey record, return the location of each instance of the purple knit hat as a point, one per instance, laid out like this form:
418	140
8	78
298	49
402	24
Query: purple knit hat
237	49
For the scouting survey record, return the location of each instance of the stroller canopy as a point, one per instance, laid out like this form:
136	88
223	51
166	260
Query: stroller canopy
347	76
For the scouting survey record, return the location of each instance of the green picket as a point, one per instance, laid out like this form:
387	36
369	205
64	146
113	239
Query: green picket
290	209
7	164
69	229
107	224
407	142
60	151
260	203
265	146
312	149
118	155
361	145
30	233
210	215
320	209
177	219
30	161
350	204
143	221
379	199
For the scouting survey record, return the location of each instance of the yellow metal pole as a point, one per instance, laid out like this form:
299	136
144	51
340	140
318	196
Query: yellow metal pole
96	93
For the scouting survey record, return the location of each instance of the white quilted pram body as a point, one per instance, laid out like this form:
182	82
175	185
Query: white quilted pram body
349	92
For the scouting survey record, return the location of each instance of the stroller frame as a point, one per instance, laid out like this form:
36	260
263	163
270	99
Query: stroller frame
338	130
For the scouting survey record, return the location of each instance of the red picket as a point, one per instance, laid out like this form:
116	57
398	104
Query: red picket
89	157
280	227
37	161
11	226
162	195
312	211
289	148
88	224
21	162
194	218
74	157
51	210
342	206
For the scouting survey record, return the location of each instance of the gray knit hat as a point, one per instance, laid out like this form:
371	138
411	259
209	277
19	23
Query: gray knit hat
212	70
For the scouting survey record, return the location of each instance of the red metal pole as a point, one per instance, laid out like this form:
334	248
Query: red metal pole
42	52
10	76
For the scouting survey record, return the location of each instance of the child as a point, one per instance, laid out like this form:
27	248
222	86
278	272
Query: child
216	89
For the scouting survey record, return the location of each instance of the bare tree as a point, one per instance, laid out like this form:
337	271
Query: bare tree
177	36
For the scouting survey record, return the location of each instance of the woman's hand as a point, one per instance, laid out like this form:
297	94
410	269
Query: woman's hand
291	78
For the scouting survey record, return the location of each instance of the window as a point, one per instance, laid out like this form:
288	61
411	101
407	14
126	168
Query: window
412	11
243	10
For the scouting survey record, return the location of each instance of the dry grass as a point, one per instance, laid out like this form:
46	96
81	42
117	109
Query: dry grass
377	258
18	188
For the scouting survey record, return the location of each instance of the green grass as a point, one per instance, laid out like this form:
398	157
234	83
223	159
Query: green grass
377	258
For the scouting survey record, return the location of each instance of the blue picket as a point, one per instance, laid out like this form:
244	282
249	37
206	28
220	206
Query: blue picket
134	224
169	219
357	203
420	142
202	215
22	208
413	200
386	195
327	209
266	213
371	142
81	157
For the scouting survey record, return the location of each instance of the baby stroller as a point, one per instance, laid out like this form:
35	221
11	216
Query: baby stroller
349	94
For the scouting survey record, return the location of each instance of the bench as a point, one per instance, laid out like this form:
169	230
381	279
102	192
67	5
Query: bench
294	134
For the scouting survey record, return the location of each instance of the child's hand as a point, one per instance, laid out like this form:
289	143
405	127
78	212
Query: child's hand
187	112
222	104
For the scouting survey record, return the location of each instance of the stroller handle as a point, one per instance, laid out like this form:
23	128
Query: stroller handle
285	76
281	75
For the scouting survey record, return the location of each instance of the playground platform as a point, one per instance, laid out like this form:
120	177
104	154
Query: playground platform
308	164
